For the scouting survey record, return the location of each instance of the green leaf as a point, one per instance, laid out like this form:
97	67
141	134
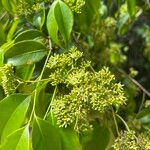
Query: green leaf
39	18
2	35
15	118
7	106
13	29
70	140
6	46
45	136
131	7
100	138
28	35
64	18
18	140
3	49
89	11
123	24
10	6
52	26
7	5
25	52
144	116
27	58
25	71
1	58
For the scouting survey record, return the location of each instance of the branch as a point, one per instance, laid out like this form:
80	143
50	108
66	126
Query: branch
135	82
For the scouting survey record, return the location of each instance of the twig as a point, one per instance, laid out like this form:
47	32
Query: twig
38	83
77	42
115	121
123	122
135	82
142	103
49	107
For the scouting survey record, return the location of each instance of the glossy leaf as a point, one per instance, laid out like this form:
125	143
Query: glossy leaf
52	26
45	136
25	52
28	35
64	18
18	140
15	118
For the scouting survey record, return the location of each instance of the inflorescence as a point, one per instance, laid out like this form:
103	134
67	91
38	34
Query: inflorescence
75	5
128	140
8	79
90	91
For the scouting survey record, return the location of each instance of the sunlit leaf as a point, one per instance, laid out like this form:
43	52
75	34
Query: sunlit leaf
15	119
18	140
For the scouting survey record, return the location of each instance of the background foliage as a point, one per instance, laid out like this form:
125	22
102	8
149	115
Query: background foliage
74	74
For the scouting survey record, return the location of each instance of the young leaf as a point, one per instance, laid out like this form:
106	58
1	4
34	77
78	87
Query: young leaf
131	7
25	52
18	140
64	18
45	136
52	26
16	118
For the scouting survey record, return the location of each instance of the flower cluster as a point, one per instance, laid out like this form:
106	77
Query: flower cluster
23	9
26	9
90	91
101	41
129	141
114	54
8	79
75	5
105	32
60	65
